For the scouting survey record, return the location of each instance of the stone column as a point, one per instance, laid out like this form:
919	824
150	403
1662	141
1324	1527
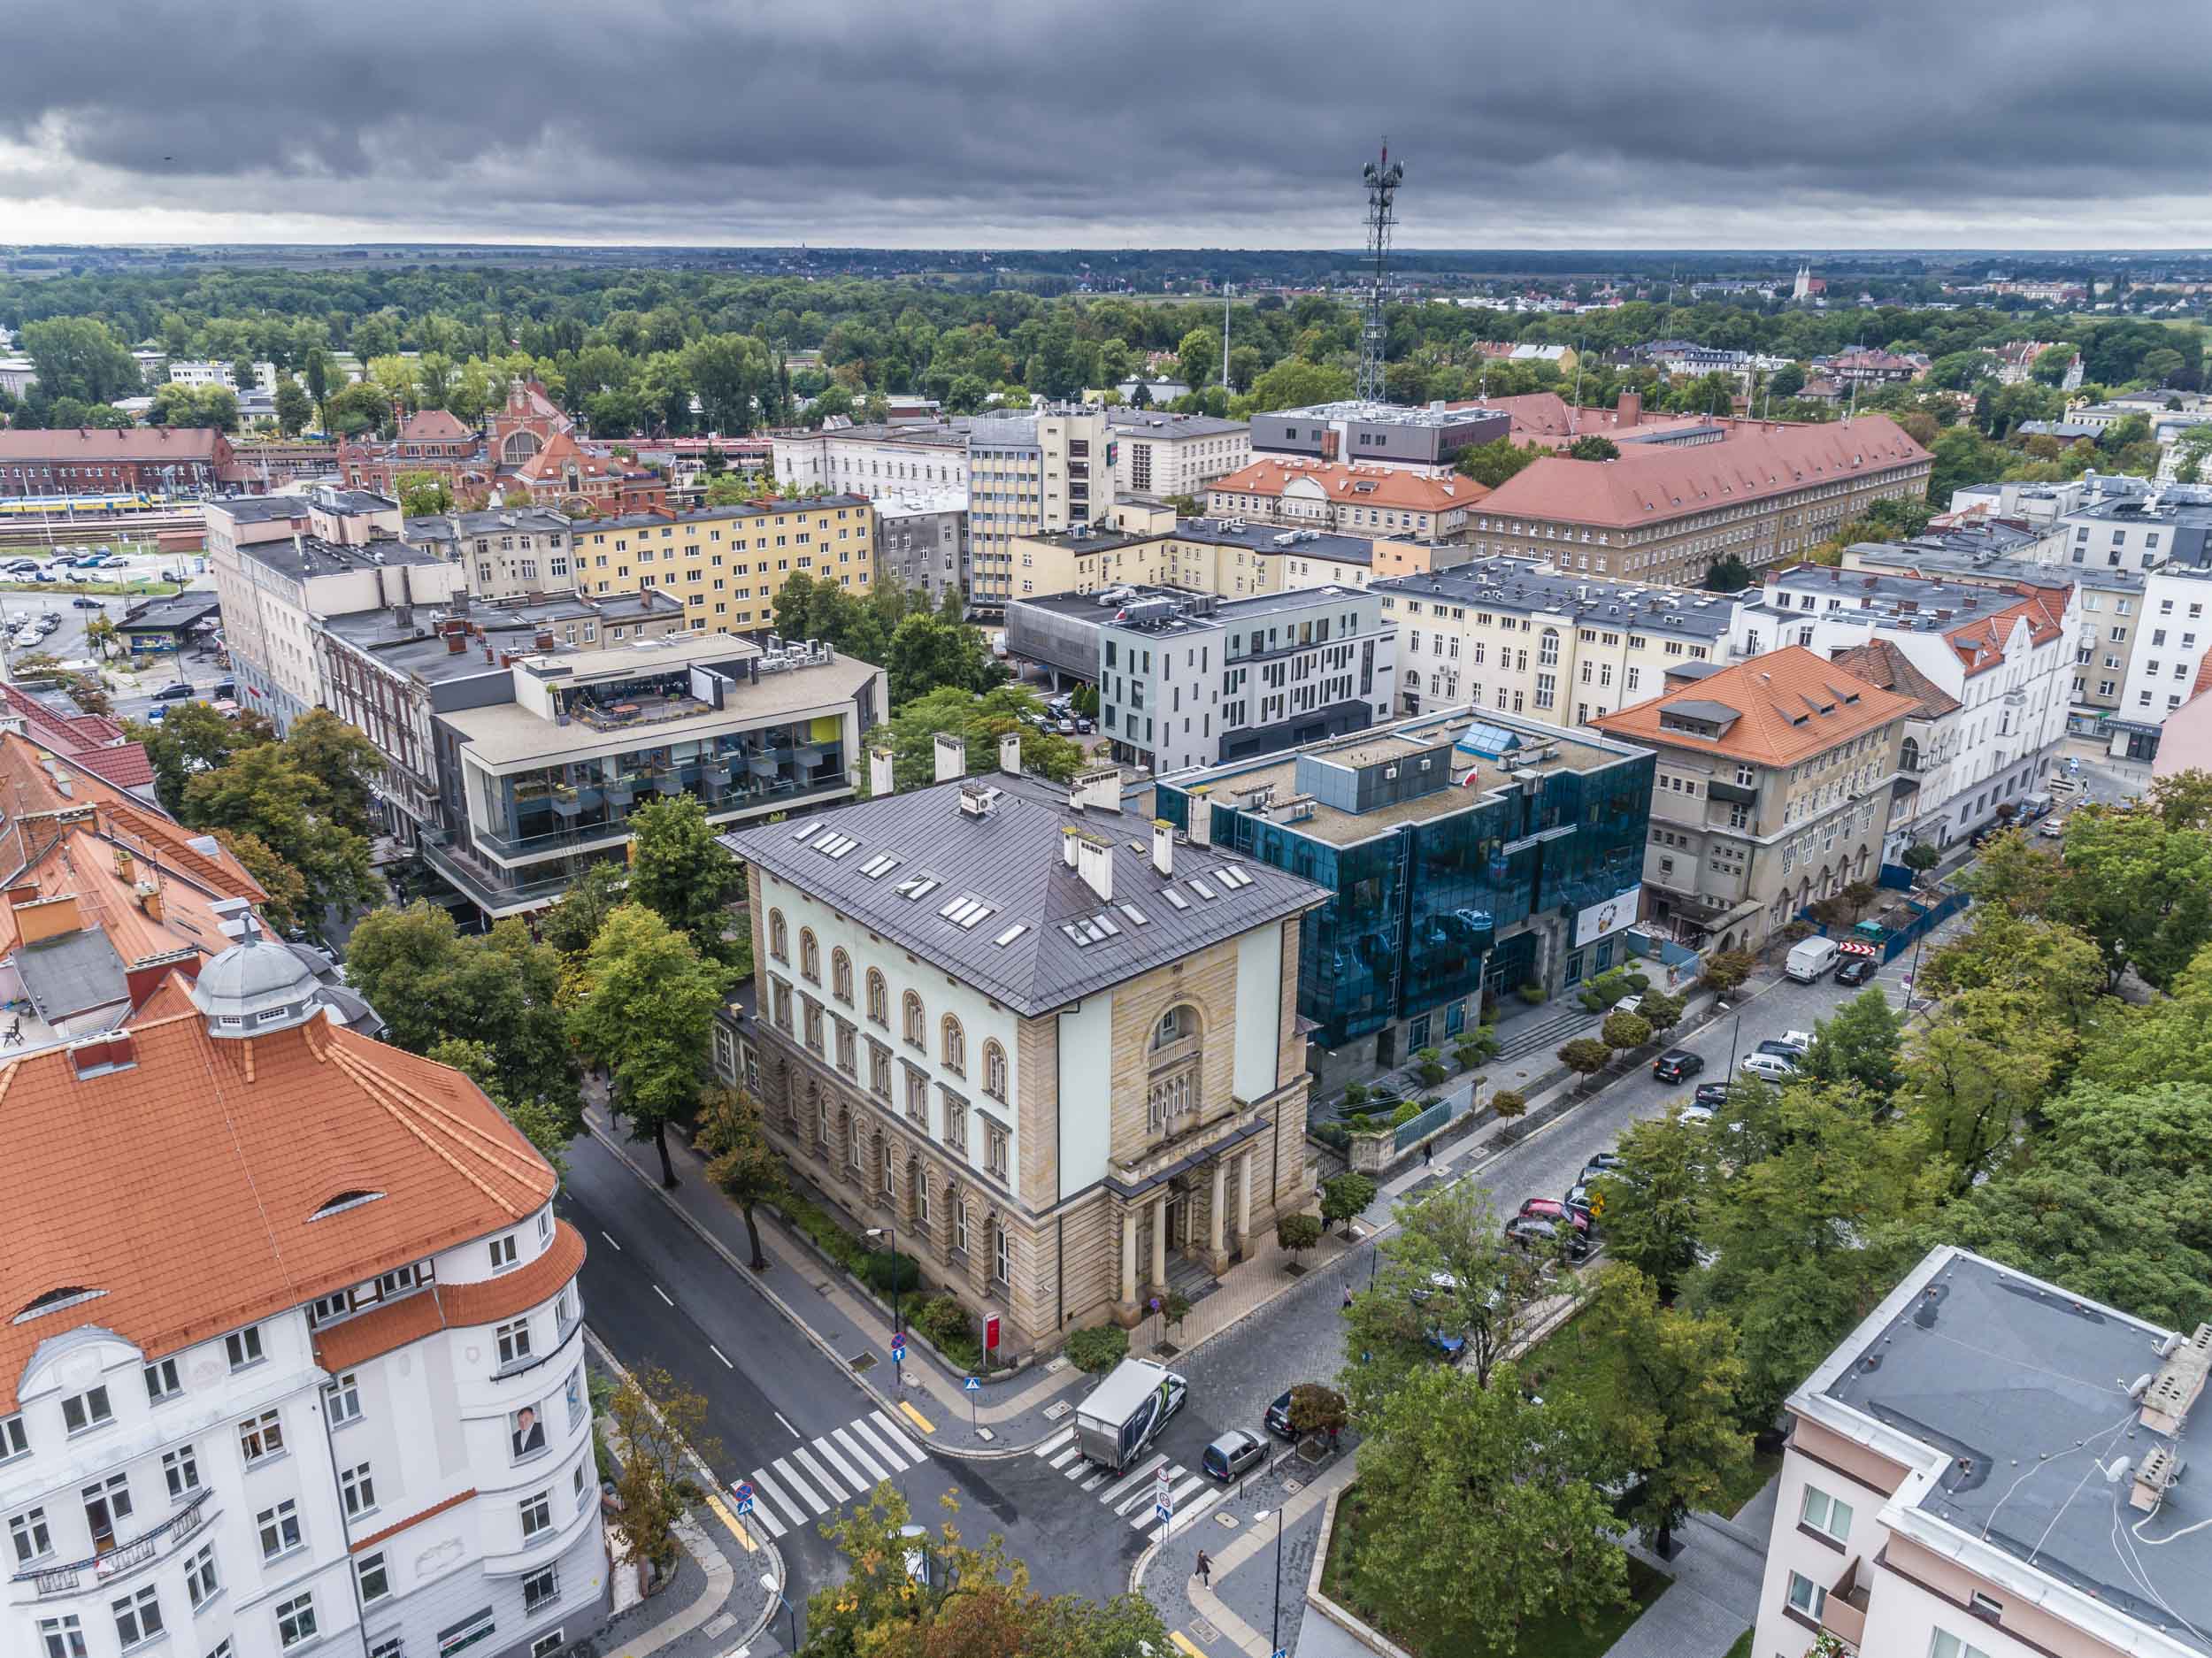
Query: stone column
1244	1202
1159	1239
1129	1258
1217	1254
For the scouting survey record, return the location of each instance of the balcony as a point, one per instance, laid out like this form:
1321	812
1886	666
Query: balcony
113	1564
1844	1615
1734	793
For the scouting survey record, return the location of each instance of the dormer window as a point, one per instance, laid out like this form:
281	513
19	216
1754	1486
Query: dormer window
352	1198
55	1300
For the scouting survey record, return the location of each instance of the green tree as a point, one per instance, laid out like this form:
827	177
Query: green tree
1586	1056
1858	1044
293	408
1621	1031
1787	381
1665	1397
1651	1203
1980	1063
1491	463
1290	384
644	1005
1590	447
1346	1197
1920	857
2142	890
341	760
928	654
80	357
658	1426
545	1124
263	793
980	722
2050	363
1661	1011
423	493
1480	1513
1726	970
732	375
191	739
1297	1232
1727	574
743	1164
681	872
574	920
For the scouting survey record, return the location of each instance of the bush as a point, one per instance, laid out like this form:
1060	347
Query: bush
1406	1112
1332	1134
1624	1031
1508	1103
881	1268
1727	969
1429	1065
1356	1096
1637	983
1297	1232
1472	1048
945	1322
831	1239
1531	993
1098	1349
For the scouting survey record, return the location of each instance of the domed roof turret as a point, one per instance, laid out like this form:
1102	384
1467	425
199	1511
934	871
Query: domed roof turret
254	988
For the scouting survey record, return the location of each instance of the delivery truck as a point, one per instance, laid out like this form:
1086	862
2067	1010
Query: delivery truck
1123	1412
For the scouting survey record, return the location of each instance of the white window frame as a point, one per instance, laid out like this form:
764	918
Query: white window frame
535	1512
242	1347
1818	1502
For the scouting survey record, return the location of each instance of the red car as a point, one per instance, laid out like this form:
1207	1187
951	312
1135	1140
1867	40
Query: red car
1539	1221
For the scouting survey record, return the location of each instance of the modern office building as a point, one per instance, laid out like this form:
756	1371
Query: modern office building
1467	854
1994	1466
1420	439
296	1360
539	782
1056	1047
1515	636
727	563
1772	788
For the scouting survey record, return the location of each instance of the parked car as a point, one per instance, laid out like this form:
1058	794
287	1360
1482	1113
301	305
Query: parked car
1603	1163
22	566
2052	829
1233	1452
1677	1064
1790	1041
1856	969
1698	1114
1710	1095
1540	1222
1768	1068
1279	1417
1083	725
223	688
1582	1200
1067	726
113	564
1810	958
1628	1004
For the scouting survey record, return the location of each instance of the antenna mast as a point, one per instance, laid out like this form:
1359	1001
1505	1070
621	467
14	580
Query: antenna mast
1224	345
1382	179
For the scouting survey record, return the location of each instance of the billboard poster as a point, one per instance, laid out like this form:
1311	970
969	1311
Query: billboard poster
1614	915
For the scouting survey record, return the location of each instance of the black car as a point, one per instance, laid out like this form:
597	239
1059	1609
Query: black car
1677	1064
83	603
1855	969
1711	1095
176	691
1278	1419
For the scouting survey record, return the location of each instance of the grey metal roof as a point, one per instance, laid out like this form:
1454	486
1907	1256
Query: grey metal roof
2025	1389
1522	587
71	974
1012	861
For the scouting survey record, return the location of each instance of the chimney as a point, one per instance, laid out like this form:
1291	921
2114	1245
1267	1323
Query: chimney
952	757
43	919
1067	846
123	865
108	1051
149	900
1201	831
879	773
1009	754
1630	410
1095	863
1096	791
1163	845
456	643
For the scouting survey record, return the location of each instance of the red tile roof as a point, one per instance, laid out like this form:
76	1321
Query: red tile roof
1650	484
1785	705
1353	485
1981	645
1880	662
157	444
197	1216
433	425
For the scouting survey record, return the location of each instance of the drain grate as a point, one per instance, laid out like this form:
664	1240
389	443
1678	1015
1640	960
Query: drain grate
863	1362
721	1623
822	1288
1204	1630
1293	1486
1053	1413
1228	1520
1056	1365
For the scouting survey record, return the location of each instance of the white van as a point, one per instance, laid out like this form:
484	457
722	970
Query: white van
1809	960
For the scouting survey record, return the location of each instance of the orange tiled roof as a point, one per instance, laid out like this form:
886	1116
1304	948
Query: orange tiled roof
342	1345
1881	664
1651	484
1353	485
1779	707
213	1155
1981	644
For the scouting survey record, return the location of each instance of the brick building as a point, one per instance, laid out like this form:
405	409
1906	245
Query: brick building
91	460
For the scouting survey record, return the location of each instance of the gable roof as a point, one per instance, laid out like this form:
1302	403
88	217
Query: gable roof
1650	484
199	1214
1881	664
157	444
1981	643
1774	709
1361	486
1013	861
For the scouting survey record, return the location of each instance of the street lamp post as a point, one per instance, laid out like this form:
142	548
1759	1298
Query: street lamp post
1276	1645
898	1375
768	1582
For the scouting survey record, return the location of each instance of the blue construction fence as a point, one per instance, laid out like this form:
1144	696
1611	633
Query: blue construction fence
1895	941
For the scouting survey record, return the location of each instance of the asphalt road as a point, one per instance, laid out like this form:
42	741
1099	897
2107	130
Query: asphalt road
787	1416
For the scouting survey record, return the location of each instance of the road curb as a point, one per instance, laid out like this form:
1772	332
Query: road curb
820	1342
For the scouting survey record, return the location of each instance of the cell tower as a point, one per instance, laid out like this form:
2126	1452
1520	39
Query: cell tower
1383	178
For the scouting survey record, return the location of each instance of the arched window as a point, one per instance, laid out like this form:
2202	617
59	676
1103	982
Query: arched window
842	977
960	1227
1176	1024
1547	649
810	957
1001	1254
916	1022
1908	756
779	937
995	1071
955	1047
878	999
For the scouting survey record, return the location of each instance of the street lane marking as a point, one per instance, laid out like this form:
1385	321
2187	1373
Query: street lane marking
828	1454
808	1503
788	1428
1122	1487
814	1472
765	1487
1143	1493
1066	1451
893	1448
1183	1644
1095	1481
609	1238
861	1457
919	1420
1054	1443
718	1354
737	1526
663	1294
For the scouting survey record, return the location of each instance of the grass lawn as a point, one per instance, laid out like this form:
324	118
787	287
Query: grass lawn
1554	1638
1567	1360
1742	1648
162	590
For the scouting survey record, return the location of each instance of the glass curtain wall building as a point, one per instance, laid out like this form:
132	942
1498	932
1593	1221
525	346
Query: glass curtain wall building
1470	855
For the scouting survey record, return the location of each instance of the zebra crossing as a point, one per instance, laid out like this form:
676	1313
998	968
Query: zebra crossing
831	1469
1130	1495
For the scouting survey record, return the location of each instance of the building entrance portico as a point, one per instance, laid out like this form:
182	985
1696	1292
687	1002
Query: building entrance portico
1201	1213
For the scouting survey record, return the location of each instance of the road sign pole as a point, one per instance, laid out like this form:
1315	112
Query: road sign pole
973	1387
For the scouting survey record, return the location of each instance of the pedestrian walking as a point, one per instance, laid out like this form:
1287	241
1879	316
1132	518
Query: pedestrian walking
1205	1569
1428	1148
1347	1297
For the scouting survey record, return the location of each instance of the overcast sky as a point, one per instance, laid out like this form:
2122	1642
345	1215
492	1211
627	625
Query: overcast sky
1138	123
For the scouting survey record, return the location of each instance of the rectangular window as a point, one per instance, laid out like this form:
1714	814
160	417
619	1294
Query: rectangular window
1945	1645
279	1529
137	1617
65	1637
1807	1596
995	1151
375	1577
33	1539
358	1487
514	1341
1825	1515
540	1590
200	1581
502	1253
537	1514
296	1620
15	1439
180	1471
161	1381
87	1410
574	1392
261	1437
342	1400
244	1346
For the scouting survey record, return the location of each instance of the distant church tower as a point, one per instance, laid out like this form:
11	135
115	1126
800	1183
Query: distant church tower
1803	288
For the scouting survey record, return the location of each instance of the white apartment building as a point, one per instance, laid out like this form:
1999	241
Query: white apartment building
1515	636
2007	658
1977	1472
872	460
295	1391
1157	454
2173	634
504	554
186	372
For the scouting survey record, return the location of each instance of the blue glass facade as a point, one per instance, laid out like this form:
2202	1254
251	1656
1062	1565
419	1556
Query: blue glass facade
1424	903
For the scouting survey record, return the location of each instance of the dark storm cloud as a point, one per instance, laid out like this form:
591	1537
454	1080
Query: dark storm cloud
1144	121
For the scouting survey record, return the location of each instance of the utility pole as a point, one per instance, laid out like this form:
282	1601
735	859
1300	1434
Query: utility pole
1382	179
1224	346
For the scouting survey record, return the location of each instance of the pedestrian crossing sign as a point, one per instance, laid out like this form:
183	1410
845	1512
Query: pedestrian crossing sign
973	1385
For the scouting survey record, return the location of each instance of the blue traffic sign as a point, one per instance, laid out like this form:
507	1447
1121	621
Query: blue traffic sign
898	1352
973	1385
1161	1511
1280	1652
744	1506
742	1489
